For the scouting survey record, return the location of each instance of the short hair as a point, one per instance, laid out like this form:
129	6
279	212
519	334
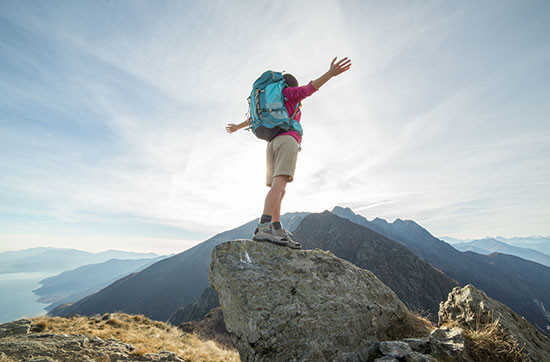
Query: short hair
290	80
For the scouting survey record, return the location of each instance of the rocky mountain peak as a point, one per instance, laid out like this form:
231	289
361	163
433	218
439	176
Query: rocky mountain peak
471	308
284	304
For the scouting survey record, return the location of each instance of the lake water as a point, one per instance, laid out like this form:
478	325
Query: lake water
16	297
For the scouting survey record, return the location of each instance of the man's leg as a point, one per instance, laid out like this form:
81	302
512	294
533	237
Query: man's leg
272	207
280	233
274	198
277	212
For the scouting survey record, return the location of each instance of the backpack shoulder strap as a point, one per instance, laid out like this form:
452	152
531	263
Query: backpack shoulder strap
296	110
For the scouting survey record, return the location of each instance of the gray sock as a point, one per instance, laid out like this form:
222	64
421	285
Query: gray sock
277	225
265	218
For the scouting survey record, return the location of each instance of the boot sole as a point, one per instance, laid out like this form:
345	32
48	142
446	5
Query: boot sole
281	243
269	238
296	247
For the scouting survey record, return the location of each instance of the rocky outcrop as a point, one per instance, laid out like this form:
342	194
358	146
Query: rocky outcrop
301	305
396	351
62	347
449	344
16	344
20	326
309	305
472	309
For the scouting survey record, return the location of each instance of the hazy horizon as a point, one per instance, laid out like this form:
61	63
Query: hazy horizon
112	117
441	237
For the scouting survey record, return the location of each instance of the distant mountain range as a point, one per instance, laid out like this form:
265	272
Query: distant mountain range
159	290
421	278
521	284
57	260
538	243
182	278
73	285
489	245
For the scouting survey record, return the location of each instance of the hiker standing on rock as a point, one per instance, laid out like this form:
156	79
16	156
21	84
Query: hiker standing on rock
275	116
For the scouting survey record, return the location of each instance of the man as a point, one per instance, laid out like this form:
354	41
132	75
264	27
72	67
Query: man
282	153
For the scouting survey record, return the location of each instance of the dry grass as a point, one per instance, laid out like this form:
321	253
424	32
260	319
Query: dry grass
5	358
146	335
488	342
414	325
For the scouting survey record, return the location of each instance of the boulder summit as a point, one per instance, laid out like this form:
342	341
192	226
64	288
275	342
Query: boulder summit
283	304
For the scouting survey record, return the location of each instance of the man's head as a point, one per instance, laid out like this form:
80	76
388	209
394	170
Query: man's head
290	80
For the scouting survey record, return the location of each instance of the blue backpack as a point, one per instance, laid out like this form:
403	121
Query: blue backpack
268	114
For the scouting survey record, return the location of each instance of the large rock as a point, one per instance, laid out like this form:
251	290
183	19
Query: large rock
473	309
395	349
449	344
301	305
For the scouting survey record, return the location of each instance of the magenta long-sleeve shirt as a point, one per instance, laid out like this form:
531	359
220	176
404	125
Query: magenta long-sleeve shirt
293	96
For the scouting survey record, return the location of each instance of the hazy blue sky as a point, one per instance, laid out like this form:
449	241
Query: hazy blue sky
112	117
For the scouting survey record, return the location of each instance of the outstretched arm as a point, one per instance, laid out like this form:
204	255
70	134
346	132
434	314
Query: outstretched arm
335	69
230	128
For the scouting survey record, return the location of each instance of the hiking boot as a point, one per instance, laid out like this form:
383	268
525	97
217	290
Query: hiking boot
264	232
284	237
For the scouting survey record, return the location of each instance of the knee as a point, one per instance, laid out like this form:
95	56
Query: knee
279	189
279	183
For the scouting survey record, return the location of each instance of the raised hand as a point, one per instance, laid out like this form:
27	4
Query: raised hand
230	128
339	67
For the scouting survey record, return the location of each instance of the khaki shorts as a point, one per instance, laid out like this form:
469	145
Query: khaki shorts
281	156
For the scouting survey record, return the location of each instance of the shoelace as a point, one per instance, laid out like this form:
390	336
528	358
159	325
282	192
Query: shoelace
286	232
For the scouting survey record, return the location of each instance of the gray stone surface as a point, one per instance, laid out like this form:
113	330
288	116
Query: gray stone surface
300	305
449	343
472	308
20	326
62	347
402	351
419	357
396	349
421	345
386	359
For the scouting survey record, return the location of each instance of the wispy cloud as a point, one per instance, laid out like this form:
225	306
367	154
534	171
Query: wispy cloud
115	111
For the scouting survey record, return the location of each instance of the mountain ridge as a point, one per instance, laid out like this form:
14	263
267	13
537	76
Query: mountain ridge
75	284
417	283
58	259
496	274
490	245
196	259
138	293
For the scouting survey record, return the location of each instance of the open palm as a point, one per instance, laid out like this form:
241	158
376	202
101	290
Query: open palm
339	67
